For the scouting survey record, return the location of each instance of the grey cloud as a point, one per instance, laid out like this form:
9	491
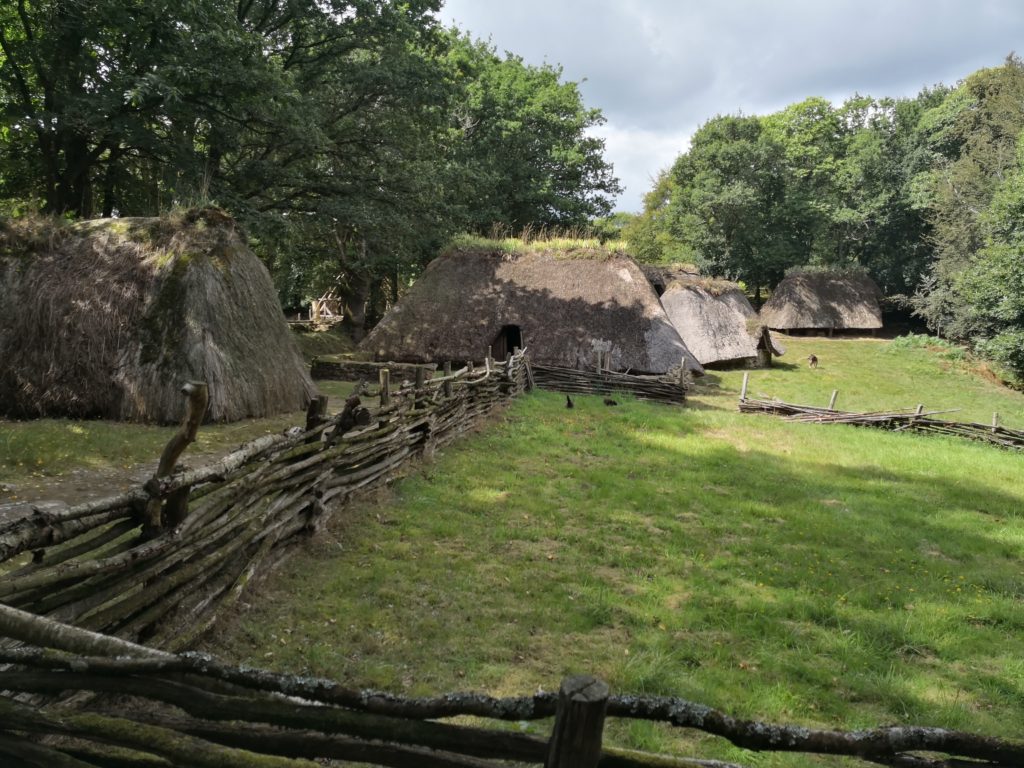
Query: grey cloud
660	68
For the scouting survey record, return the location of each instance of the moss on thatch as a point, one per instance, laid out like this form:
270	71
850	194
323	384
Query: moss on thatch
824	300
715	320
565	308
107	318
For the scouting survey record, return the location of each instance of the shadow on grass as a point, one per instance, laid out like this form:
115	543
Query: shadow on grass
788	582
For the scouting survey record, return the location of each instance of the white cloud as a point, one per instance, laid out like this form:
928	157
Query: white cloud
659	68
639	153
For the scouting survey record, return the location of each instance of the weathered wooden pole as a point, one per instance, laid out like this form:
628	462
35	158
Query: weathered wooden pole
995	422
421	380
579	723
316	413
447	379
743	390
174	511
832	400
385	387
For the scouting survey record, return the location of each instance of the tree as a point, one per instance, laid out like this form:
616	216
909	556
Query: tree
526	142
972	137
726	204
991	287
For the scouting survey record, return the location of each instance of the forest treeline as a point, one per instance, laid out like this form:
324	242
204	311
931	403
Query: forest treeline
354	138
351	138
926	194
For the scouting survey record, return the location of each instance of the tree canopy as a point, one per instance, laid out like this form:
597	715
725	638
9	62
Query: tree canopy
351	137
923	193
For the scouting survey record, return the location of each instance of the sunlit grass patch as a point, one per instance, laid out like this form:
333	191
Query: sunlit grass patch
790	572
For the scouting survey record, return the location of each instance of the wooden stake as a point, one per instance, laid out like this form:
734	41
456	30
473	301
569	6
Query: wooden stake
579	723
177	503
316	413
421	380
385	387
447	386
832	400
743	391
995	421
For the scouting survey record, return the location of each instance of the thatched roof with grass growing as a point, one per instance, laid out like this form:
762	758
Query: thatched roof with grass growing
716	321
108	318
566	305
824	300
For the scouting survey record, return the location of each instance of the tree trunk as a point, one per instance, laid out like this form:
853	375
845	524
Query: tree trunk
355	298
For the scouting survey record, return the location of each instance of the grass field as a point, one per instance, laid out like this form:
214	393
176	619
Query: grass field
48	458
822	575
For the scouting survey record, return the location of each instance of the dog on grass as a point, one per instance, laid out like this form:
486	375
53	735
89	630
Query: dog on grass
812	361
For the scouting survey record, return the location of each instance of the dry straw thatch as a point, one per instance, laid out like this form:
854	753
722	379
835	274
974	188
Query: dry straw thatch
107	318
824	300
716	321
566	306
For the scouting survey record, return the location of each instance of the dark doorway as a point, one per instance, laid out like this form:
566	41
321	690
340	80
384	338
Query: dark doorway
508	338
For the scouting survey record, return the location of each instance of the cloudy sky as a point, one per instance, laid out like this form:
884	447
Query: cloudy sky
658	69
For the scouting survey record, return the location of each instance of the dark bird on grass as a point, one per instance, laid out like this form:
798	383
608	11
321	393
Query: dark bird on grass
609	401
812	360
568	402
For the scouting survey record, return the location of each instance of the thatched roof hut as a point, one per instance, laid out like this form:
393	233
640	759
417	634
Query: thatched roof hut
661	276
107	318
824	301
717	323
563	306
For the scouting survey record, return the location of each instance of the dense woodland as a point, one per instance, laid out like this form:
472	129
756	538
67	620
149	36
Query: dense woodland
925	193
352	139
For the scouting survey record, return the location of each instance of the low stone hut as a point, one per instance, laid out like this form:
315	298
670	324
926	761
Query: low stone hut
108	318
563	306
824	301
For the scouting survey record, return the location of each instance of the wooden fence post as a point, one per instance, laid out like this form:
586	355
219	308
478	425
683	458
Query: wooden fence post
447	383
579	723
385	387
743	390
316	413
832	400
421	381
995	422
174	511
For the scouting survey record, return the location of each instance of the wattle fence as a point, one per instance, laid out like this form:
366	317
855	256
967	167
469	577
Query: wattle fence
898	420
97	599
158	563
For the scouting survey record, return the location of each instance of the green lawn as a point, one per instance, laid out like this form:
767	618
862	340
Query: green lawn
38	453
823	575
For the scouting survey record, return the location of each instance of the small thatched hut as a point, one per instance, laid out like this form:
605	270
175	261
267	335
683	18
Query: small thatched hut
717	323
824	301
107	319
564	307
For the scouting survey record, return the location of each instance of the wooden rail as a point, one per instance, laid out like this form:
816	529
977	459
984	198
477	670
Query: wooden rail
242	716
665	389
901	420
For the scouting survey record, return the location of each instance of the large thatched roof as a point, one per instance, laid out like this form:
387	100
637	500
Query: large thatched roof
824	300
108	318
566	306
715	320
